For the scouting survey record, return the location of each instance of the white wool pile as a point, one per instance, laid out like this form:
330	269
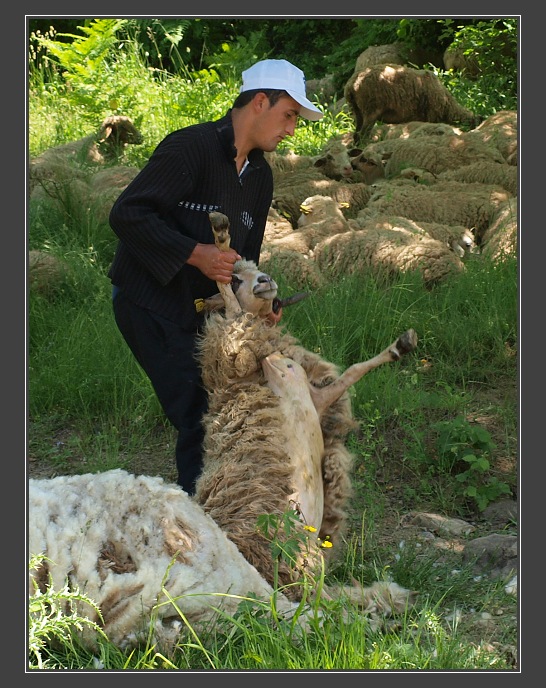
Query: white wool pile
121	538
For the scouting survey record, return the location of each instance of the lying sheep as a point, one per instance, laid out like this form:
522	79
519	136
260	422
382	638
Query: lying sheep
320	217
501	131
459	239
368	166
445	202
47	273
501	237
437	154
290	192
297	268
153	562
246	451
486	172
385	251
107	145
394	94
333	162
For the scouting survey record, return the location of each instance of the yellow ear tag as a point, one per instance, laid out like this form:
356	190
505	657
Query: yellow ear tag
199	304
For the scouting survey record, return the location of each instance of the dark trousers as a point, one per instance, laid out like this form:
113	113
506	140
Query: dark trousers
167	355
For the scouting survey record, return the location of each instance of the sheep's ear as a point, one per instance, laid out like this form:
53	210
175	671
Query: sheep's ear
212	303
106	132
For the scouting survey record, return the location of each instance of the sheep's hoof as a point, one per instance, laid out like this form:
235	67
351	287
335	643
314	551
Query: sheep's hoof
405	343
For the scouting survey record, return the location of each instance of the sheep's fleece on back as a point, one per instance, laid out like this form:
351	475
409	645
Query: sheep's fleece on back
119	538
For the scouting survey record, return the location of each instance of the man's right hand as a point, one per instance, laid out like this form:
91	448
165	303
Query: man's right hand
215	264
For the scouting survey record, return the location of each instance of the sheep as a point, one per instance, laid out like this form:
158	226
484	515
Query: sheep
289	193
47	273
457	59
368	166
501	131
394	94
104	146
298	268
104	187
445	202
276	226
385	251
437	154
320	217
460	239
245	452
485	172
153	562
500	238
391	53
333	162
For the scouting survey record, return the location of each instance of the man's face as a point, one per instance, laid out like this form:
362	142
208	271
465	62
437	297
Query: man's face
274	123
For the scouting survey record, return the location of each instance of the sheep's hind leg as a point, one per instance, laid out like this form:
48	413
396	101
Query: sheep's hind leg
324	397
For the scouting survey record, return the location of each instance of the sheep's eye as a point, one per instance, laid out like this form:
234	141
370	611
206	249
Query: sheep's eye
235	283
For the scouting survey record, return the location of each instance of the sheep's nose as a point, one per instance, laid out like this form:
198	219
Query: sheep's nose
264	278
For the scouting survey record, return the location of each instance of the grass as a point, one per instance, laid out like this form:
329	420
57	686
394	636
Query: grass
92	409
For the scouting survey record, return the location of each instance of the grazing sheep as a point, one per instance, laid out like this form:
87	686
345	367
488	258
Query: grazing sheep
390	53
105	146
394	94
460	60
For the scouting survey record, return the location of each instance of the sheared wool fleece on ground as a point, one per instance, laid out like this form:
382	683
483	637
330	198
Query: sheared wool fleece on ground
129	542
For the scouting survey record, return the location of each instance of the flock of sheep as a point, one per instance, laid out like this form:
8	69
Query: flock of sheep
408	190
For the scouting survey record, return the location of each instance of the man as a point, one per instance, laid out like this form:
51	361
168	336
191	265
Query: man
166	257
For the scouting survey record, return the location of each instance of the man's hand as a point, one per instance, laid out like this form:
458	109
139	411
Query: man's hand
215	264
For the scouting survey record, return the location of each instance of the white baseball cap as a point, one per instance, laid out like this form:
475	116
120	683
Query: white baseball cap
284	76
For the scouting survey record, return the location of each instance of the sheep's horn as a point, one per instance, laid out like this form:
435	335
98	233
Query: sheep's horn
288	301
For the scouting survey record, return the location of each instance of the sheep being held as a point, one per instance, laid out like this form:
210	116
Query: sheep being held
252	464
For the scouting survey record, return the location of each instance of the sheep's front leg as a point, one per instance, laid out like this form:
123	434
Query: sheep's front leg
220	228
323	397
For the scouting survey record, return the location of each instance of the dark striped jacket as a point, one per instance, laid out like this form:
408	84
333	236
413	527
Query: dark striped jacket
163	213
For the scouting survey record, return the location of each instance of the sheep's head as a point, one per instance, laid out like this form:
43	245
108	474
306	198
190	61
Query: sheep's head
255	290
